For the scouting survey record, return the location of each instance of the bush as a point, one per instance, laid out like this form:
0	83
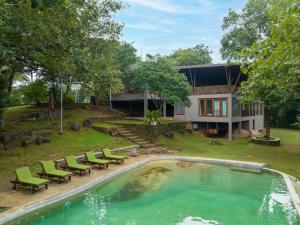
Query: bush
153	116
69	99
35	92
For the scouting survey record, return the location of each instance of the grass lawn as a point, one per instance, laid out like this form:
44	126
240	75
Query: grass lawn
285	158
15	118
71	142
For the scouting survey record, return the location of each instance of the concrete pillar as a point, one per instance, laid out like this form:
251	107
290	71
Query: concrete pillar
230	117
250	125
164	108
240	127
230	131
145	104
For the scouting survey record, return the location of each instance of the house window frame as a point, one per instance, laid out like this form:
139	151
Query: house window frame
182	108
213	107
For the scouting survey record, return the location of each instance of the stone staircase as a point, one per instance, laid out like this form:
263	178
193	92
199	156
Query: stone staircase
147	147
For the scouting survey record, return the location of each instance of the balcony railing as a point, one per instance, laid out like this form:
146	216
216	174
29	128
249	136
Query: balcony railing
216	89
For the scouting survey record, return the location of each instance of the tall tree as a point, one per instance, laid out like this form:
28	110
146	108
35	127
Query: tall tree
159	77
125	56
274	69
44	35
244	28
199	54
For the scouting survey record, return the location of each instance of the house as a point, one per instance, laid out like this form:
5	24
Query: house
214	100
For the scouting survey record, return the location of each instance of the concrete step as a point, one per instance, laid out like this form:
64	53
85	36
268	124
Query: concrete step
148	146
143	142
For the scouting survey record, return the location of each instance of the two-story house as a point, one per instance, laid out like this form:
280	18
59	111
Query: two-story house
214	101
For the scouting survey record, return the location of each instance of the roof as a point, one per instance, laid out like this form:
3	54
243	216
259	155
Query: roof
205	66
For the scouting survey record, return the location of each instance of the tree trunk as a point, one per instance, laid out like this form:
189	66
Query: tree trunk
51	99
268	123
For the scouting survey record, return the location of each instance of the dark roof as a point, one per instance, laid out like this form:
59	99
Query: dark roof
205	66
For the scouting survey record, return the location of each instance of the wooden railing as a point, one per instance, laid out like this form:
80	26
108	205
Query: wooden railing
216	89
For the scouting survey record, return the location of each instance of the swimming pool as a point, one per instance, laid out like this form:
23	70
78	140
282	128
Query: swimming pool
176	192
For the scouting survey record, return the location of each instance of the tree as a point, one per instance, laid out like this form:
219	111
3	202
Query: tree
159	77
274	69
44	35
244	29
98	71
35	92
199	54
125	56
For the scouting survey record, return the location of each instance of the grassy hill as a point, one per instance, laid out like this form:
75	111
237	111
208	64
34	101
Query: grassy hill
70	142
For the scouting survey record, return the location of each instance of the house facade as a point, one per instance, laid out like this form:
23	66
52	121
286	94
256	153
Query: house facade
214	99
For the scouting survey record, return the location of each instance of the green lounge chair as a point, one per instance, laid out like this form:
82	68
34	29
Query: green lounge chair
49	170
73	165
25	178
107	155
91	159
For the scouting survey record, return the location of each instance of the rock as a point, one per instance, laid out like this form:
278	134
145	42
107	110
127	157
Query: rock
36	116
51	114
113	133
87	122
75	126
167	134
41	140
215	143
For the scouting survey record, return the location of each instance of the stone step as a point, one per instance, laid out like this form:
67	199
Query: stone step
143	142
147	145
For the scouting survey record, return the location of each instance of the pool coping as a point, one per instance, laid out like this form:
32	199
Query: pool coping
291	182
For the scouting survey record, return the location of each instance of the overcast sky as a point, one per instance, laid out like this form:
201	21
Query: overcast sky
162	26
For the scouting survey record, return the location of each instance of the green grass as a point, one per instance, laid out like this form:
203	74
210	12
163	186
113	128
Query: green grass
71	142
285	158
105	125
16	118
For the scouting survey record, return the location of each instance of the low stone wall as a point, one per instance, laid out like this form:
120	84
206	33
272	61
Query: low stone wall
271	142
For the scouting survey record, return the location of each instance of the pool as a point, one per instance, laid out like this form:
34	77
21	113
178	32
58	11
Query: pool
176	192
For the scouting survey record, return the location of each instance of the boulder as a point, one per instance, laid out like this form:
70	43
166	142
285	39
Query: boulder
167	134
75	126
87	122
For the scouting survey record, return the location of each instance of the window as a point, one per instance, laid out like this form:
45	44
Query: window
224	107
202	108
179	108
217	107
213	107
209	108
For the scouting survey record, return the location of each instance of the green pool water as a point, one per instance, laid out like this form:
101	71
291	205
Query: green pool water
171	192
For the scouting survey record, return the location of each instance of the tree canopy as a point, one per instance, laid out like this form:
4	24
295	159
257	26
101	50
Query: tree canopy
273	64
245	28
199	54
160	78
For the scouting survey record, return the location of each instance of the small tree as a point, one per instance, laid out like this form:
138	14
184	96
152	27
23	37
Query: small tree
35	92
161	80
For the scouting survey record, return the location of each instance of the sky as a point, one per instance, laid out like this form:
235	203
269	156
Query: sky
162	26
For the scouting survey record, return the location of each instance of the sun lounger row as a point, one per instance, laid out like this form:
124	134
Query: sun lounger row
49	170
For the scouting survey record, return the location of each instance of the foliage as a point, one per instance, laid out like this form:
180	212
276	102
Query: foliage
16	97
274	70
153	116
126	55
199	54
45	37
68	99
161	80
35	92
245	28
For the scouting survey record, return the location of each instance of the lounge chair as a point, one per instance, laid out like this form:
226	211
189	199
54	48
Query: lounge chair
49	170
73	165
25	178
107	155
91	159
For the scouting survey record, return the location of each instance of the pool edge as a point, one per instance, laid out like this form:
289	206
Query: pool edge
223	162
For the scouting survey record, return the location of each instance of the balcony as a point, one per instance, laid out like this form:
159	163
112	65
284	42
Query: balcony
216	89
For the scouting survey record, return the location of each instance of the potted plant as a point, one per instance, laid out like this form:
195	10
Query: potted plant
153	117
